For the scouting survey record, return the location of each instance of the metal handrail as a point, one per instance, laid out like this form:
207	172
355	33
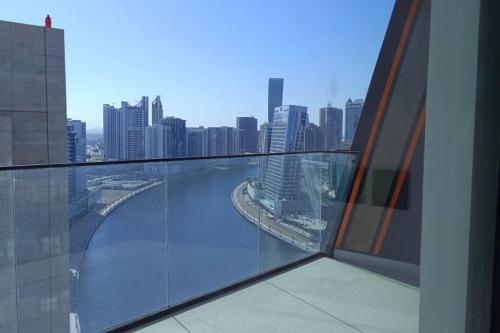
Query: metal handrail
80	164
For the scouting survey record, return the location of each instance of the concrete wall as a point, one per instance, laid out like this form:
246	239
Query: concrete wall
32	95
448	161
34	235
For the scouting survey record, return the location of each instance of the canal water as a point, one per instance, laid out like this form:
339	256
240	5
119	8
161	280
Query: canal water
169	244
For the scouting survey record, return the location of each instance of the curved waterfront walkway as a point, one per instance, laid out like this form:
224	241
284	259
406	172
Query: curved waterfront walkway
258	216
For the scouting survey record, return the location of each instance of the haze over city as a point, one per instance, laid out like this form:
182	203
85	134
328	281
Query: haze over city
210	61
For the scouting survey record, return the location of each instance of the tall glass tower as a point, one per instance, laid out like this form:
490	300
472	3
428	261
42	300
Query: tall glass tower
353	111
282	174
330	122
249	125
157	111
274	97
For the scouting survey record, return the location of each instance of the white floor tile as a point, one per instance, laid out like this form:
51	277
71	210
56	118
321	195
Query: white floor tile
259	308
368	301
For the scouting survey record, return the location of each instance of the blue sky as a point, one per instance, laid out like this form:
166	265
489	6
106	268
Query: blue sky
210	60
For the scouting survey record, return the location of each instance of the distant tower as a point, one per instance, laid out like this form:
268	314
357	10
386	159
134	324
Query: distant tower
274	97
157	111
249	125
353	111
48	22
330	122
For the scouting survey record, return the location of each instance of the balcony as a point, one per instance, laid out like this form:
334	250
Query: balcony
110	246
324	295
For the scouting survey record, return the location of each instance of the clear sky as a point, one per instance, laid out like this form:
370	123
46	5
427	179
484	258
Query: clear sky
210	60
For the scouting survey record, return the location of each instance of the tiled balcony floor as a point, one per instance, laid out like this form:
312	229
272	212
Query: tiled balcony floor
322	296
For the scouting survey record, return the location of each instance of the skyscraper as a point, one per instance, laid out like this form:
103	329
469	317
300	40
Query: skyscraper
112	123
124	130
330	122
282	173
156	141
197	142
77	177
79	129
224	141
157	111
313	138
274	97
71	145
134	123
249	125
352	114
265	138
176	142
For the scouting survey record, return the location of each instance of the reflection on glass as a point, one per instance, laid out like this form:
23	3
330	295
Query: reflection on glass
118	244
210	244
111	243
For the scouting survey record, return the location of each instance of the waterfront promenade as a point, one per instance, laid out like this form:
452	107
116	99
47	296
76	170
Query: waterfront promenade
257	215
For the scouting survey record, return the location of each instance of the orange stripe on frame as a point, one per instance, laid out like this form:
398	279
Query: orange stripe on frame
376	123
401	179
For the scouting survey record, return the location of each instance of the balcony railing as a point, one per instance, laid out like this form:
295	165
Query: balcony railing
95	246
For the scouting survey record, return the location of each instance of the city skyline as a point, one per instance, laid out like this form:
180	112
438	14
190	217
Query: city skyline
128	134
210	61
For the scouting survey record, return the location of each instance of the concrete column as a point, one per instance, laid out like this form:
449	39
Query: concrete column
449	139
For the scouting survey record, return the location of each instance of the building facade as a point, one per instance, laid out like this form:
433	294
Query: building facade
156	139
112	122
135	121
265	138
225	141
283	172
77	177
156	111
79	128
197	142
33	131
124	130
274	96
176	143
313	138
330	123
249	125
353	111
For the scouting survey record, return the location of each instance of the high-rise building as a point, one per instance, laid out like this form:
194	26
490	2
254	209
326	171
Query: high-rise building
71	145
313	138
282	172
33	131
79	128
124	130
77	177
330	123
224	141
353	111
274	96
157	111
176	142
265	138
249	125
240	141
135	121
197	142
156	138
112	123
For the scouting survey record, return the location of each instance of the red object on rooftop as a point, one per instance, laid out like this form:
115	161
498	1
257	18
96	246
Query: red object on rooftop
48	22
